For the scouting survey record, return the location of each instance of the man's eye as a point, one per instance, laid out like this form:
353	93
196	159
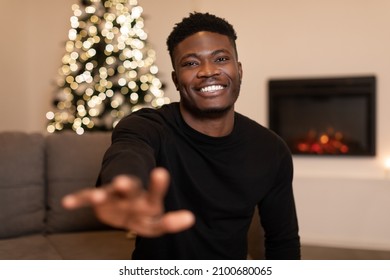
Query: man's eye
189	63
222	59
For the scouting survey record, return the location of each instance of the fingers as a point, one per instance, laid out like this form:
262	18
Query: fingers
122	187
83	198
171	222
126	186
159	181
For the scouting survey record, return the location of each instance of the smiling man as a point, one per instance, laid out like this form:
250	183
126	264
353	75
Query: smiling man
208	76
188	176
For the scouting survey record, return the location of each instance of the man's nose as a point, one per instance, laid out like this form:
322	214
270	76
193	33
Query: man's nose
208	69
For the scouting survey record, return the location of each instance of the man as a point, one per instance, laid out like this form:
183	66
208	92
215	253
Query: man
187	177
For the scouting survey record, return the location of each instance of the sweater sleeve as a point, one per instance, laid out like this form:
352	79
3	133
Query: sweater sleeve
278	213
132	151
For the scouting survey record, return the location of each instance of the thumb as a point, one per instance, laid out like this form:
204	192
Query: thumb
177	221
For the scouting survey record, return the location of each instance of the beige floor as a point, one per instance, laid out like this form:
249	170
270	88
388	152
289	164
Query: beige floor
328	253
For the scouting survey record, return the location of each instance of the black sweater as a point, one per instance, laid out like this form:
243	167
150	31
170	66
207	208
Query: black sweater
220	179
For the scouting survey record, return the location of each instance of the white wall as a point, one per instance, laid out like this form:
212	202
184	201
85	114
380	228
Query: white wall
344	212
340	201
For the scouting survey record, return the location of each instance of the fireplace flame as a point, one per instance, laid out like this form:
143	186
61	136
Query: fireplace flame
329	142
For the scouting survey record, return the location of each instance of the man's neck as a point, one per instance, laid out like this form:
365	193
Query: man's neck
216	126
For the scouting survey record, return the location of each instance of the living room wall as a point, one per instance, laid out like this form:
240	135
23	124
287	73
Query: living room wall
340	201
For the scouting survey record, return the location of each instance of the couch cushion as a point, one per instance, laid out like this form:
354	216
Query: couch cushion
94	245
73	163
34	247
22	184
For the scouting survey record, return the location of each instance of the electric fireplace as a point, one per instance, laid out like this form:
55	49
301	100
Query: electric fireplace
324	116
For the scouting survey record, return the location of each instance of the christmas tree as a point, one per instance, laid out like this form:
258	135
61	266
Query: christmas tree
108	70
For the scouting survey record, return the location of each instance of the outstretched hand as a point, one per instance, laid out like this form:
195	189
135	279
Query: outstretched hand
125	204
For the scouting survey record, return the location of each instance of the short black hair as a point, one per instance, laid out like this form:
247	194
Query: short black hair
197	22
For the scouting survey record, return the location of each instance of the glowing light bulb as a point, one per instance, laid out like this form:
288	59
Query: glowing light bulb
387	167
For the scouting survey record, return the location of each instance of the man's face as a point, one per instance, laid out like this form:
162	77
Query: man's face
207	74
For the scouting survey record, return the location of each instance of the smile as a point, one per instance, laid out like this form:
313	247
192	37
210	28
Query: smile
212	88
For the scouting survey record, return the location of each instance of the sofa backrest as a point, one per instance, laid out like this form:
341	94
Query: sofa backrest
73	163
22	181
37	171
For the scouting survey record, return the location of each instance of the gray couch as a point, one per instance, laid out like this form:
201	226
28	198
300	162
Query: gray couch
36	171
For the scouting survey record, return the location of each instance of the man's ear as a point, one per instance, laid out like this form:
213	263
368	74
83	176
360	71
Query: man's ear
240	71
174	79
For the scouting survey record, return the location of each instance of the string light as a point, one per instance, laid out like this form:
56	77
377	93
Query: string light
108	70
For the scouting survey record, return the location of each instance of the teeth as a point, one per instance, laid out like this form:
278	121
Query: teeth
211	88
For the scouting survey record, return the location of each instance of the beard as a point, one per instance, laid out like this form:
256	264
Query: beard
208	113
